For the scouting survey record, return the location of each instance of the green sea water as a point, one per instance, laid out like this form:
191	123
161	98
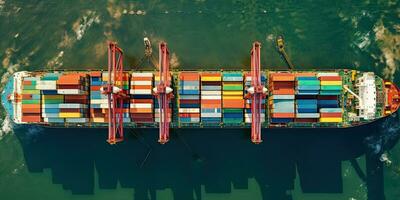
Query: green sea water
37	163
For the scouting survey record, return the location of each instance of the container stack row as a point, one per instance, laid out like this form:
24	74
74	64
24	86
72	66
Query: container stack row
232	97
247	110
282	97
30	100
189	97
52	102
331	83
307	85
73	89
141	102
98	101
329	109
156	104
211	99
328	101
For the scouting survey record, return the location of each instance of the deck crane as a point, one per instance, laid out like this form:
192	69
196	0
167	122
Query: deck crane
163	92
115	95
256	93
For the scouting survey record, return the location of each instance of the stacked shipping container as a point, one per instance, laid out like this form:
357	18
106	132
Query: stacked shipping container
98	101
307	87
247	111
211	97
73	89
141	102
30	100
328	101
156	104
232	97
189	97
52	102
281	101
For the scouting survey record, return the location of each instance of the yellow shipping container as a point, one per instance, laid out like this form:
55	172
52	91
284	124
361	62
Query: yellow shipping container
232	97
331	82
232	93
214	78
98	120
330	119
232	84
30	91
70	115
53	97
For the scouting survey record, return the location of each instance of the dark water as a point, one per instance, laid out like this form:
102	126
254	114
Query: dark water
290	164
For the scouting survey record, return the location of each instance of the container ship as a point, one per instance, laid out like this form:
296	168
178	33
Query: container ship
256	99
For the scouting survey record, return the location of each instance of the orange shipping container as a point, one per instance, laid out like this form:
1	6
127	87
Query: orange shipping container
210	74
233	103
283	91
211	105
141	87
283	115
27	96
140	110
95	88
30	110
26	106
141	78
211	101
27	82
95	73
189	76
306	74
70	79
330	78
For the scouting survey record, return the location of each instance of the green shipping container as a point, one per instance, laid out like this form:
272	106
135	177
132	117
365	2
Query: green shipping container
231	87
331	87
53	101
232	110
308	82
232	120
29	87
30	101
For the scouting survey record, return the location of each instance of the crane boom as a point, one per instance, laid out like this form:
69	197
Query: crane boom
257	92
163	91
114	94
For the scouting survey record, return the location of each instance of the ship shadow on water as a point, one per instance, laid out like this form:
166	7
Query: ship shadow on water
214	159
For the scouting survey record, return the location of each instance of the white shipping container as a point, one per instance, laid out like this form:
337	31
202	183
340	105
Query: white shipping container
144	74
191	87
148	92
210	92
211	114
70	91
262	115
98	101
189	110
46	87
328	74
141	105
72	105
211	97
141	83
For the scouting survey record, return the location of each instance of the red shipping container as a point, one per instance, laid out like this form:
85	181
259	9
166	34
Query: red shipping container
193	115
335	115
283	84
31	119
78	86
79	101
283	115
189	101
73	96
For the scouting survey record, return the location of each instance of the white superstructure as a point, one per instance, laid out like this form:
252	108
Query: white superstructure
367	93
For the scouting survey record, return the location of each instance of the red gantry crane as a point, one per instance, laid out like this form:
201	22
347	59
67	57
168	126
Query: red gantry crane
163	92
256	93
115	95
